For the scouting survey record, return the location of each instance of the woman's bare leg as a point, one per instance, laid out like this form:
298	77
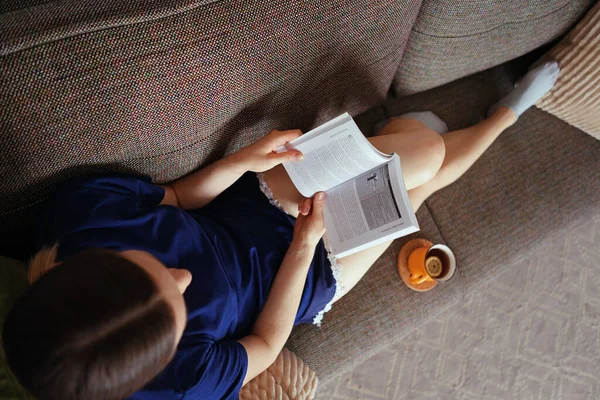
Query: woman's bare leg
463	148
429	163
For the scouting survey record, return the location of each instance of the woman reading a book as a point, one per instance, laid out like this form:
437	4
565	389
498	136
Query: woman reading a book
191	289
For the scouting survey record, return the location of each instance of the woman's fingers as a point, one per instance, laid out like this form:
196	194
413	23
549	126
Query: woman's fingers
279	138
310	225
304	206
316	203
290	155
301	206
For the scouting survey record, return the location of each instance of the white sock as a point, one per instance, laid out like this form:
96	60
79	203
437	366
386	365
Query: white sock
534	85
428	118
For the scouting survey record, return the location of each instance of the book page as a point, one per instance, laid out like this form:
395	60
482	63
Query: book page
368	210
333	153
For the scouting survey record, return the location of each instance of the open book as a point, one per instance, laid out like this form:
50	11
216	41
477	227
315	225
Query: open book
367	202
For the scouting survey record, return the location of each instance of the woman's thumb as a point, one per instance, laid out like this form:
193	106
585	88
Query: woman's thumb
290	155
318	204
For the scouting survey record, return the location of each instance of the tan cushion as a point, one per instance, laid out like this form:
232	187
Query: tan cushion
287	378
455	38
576	96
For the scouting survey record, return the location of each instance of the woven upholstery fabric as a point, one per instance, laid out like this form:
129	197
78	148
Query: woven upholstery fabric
539	180
162	87
576	96
288	378
456	38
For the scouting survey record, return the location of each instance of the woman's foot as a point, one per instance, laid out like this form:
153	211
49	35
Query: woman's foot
534	85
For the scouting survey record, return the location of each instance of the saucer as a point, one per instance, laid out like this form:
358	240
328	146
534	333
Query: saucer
403	264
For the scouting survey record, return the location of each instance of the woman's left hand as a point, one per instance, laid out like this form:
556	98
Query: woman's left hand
262	155
310	225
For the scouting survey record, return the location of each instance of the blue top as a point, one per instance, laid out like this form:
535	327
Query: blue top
233	247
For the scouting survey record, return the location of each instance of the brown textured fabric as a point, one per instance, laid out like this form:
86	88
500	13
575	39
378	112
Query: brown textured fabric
539	180
288	378
160	88
576	96
456	38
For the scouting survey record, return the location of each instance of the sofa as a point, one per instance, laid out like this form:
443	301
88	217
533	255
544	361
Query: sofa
162	88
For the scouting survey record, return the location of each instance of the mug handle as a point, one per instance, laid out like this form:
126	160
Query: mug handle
416	266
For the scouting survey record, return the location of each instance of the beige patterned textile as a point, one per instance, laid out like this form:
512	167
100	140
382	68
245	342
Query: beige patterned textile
576	96
288	378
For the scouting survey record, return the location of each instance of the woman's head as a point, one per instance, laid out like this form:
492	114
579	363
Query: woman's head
99	325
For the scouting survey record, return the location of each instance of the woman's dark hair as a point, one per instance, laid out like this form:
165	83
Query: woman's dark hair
93	327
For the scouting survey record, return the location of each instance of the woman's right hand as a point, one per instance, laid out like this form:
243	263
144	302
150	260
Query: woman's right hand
274	323
310	226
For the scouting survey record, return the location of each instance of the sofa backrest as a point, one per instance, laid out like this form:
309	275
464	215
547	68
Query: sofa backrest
456	38
162	87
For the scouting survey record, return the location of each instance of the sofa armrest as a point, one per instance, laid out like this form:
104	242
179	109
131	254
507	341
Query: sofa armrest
287	378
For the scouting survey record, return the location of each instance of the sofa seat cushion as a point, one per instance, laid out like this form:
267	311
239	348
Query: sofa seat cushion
538	180
456	38
161	87
576	96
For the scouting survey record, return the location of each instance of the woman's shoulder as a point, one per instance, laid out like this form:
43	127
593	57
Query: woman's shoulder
106	181
157	390
79	191
94	201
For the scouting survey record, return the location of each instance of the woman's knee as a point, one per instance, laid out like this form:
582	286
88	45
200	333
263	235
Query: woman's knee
424	157
432	151
421	150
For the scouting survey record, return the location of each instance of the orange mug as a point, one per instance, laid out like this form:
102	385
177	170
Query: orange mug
435	263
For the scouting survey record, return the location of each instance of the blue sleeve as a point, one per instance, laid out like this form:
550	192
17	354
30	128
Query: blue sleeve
155	390
85	202
207	370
